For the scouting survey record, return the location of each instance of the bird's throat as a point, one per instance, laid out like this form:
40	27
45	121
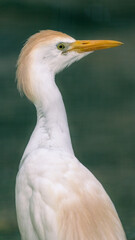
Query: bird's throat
52	123
51	131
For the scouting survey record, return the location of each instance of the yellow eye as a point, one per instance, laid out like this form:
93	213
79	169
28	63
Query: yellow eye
61	46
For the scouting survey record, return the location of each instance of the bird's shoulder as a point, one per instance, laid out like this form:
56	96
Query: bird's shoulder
44	164
58	172
41	159
44	167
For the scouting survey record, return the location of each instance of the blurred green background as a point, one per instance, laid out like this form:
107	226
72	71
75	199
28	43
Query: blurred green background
98	91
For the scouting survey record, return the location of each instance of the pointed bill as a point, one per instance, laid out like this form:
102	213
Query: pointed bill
81	46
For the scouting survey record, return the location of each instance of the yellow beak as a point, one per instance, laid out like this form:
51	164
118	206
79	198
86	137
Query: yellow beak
81	46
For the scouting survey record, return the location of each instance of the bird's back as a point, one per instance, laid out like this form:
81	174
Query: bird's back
62	200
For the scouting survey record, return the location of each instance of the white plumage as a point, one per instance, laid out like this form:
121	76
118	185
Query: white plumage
57	198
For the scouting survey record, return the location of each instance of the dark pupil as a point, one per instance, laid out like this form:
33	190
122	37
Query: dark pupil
61	46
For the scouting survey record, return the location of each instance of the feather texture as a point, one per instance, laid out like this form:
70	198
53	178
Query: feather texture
57	198
66	202
24	61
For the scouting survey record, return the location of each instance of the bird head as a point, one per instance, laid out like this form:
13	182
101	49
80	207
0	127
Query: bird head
52	51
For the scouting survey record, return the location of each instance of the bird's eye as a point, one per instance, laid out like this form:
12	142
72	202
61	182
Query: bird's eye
61	46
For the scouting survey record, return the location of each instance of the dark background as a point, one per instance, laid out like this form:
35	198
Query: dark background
98	91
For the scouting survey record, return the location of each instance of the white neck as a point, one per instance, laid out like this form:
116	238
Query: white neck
51	131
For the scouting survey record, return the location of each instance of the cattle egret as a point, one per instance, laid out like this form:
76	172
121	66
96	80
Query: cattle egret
57	198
